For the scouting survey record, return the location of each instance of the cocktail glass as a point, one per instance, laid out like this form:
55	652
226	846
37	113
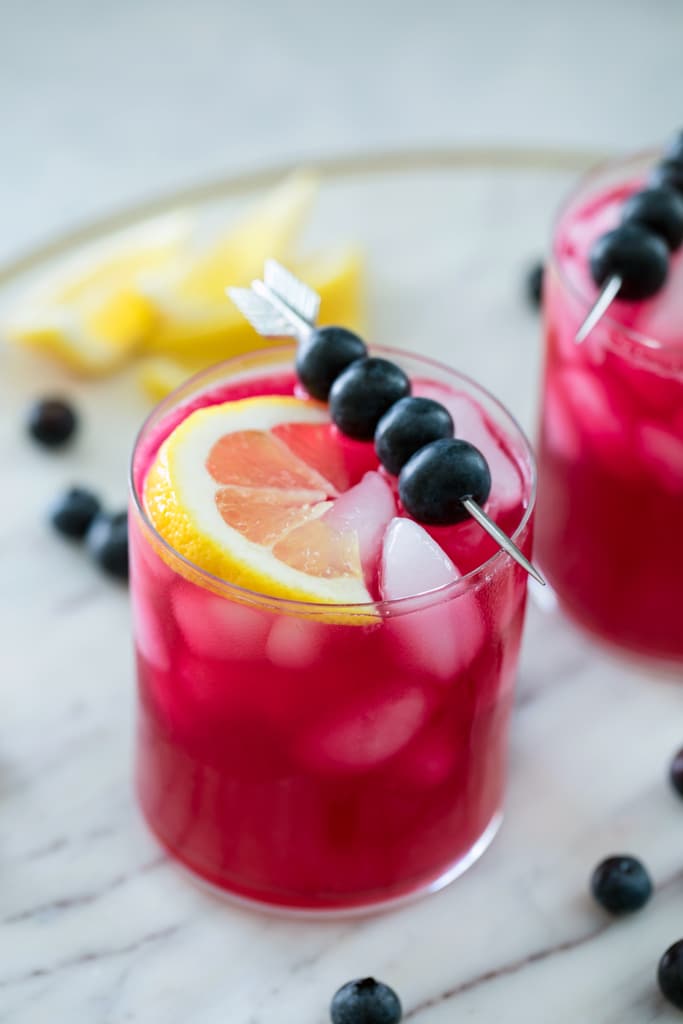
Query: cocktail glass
324	757
608	533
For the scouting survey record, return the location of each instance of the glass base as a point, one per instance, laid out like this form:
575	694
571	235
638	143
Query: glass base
323	913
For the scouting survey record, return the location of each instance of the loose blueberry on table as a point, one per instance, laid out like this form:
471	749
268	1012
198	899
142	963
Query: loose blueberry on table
534	284
670	974
676	772
365	1001
107	542
621	884
51	422
74	511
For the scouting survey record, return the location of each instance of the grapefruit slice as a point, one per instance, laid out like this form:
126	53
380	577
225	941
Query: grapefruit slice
228	493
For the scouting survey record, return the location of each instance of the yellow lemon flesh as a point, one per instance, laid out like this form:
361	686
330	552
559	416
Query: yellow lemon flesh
91	315
195	317
227	492
336	276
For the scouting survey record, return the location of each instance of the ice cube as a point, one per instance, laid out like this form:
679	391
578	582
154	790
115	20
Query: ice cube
367	509
661	451
560	432
365	732
216	627
605	422
295	642
442	638
210	696
148	628
472	424
412	563
431	758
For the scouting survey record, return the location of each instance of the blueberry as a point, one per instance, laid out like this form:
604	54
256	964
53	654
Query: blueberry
73	512
637	255
674	151
676	772
670	974
668	172
658	209
322	357
621	884
363	392
534	284
365	1001
409	425
51	422
434	481
107	541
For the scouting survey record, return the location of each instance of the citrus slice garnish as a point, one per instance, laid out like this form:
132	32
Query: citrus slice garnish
227	492
89	314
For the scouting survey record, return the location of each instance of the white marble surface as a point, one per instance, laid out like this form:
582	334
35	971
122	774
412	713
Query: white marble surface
96	927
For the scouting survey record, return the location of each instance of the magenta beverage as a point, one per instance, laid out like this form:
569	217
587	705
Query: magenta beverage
328	753
610	510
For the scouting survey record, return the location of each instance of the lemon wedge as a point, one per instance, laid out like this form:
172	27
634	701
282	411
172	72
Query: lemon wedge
337	276
91	315
194	314
227	492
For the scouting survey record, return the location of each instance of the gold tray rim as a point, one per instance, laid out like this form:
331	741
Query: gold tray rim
335	166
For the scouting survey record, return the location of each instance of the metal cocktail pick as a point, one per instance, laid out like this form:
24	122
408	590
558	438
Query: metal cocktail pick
493	530
283	306
608	294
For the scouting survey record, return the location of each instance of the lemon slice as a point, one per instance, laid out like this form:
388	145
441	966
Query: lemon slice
194	315
228	493
159	375
90	315
337	276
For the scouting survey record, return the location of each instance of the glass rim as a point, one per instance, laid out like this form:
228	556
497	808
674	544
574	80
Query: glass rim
646	344
218	585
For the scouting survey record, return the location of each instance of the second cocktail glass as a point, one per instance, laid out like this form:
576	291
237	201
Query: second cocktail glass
611	440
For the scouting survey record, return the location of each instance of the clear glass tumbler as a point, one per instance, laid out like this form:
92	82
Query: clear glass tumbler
608	529
324	757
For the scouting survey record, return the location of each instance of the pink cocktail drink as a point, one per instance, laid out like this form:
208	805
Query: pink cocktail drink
611	439
319	756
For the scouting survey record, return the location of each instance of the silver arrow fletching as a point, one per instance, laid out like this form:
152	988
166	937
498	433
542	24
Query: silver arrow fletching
297	294
280	306
261	314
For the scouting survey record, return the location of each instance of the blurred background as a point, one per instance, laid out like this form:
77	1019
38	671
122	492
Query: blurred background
102	104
